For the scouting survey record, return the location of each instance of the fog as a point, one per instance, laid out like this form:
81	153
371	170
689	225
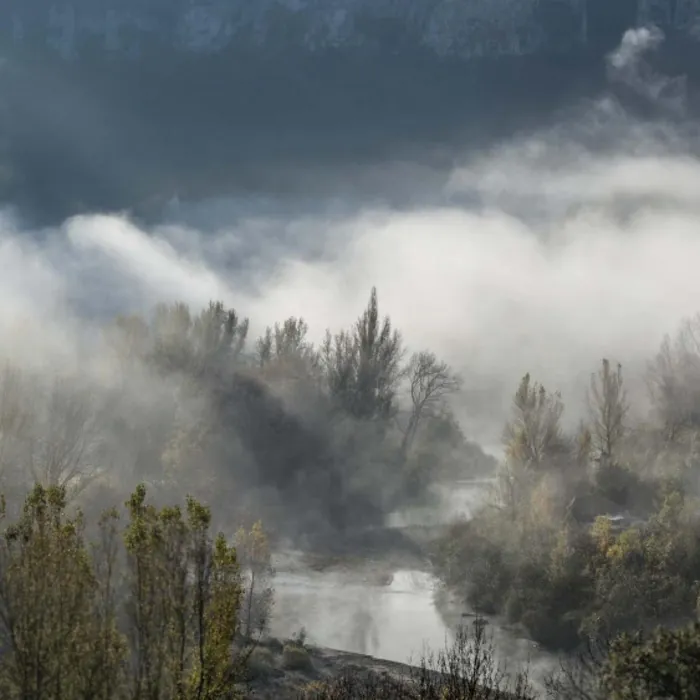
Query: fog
542	254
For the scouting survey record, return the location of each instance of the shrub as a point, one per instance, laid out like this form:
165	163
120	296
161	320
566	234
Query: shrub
296	658
354	683
260	663
315	690
299	639
465	670
663	664
274	645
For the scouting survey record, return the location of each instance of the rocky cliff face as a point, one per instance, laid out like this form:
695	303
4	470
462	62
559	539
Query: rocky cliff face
461	28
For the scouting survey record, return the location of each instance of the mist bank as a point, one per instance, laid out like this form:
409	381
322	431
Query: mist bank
543	253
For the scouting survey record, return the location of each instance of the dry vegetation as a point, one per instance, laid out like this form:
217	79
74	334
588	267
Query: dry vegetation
596	534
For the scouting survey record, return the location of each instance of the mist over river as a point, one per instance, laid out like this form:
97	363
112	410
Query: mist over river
386	611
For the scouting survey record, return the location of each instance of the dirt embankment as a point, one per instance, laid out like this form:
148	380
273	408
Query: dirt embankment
283	671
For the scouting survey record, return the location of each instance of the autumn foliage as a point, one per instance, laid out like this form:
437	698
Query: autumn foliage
146	610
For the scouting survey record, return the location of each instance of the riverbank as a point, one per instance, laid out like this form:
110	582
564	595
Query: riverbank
280	676
385	608
294	670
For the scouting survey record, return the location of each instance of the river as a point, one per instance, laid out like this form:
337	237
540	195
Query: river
392	615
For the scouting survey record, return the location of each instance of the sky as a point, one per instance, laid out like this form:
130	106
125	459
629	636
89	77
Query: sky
543	255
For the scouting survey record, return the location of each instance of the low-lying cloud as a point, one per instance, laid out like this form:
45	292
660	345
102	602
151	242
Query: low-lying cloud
543	255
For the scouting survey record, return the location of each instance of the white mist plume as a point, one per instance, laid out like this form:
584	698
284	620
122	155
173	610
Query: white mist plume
628	65
635	43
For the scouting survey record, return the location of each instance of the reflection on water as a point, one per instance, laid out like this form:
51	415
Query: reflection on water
395	622
392	617
391	621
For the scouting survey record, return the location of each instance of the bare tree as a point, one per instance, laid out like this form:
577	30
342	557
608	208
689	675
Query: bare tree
579	677
63	448
15	418
128	339
674	380
608	407
48	431
466	669
431	381
469	669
